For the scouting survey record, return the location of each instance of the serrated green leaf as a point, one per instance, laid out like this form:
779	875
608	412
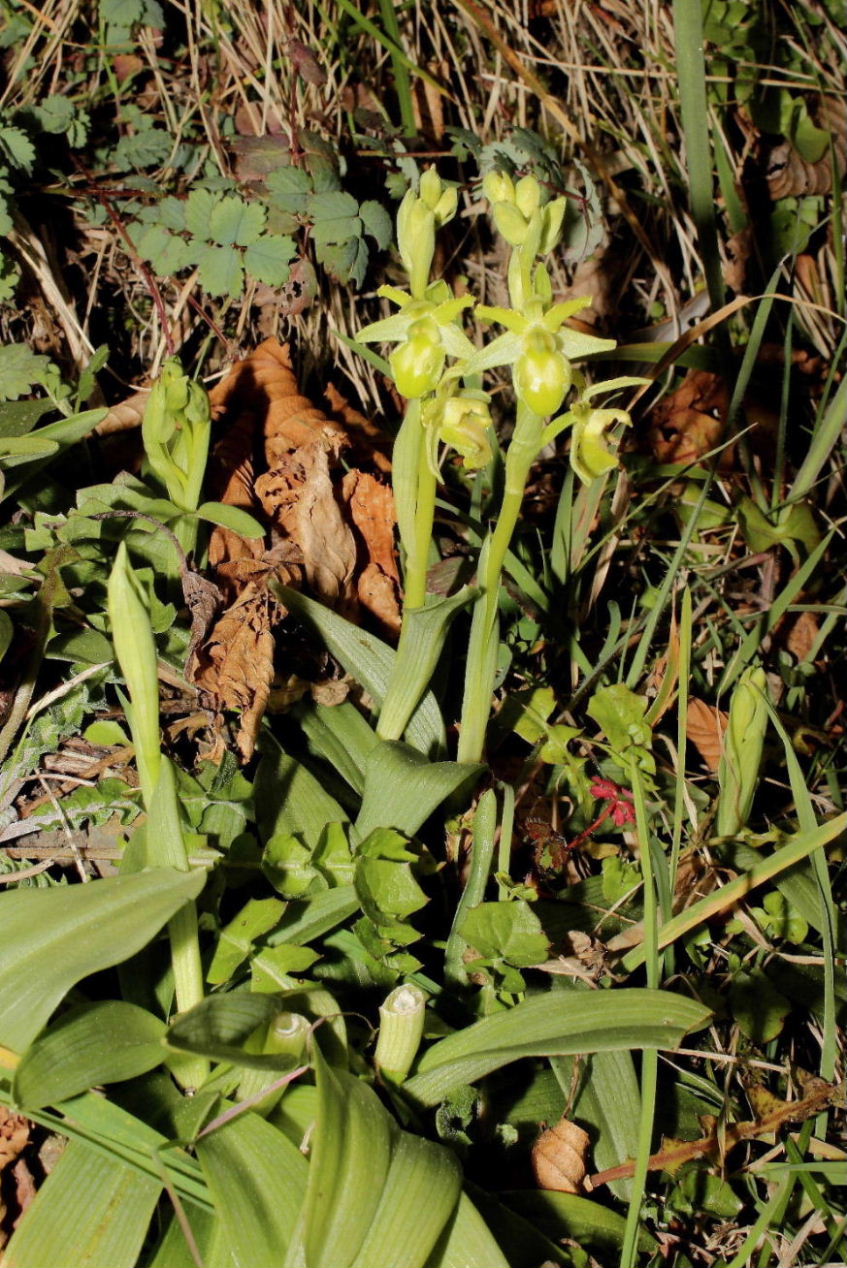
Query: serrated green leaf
17	148
340	229
377	223
166	252
52	938
236	223
21	370
149	147
55	113
96	1043
121	12
332	205
171	213
269	259
288	189
197	211
220	270
346	262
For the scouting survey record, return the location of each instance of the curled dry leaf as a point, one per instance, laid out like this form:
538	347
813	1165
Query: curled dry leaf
558	1157
704	727
789	175
371	506
126	414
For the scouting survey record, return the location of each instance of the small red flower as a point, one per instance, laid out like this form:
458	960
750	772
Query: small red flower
621	808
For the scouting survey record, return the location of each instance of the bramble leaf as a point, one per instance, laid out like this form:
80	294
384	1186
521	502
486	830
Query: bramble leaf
332	205
16	146
377	223
269	259
235	222
199	207
21	370
220	270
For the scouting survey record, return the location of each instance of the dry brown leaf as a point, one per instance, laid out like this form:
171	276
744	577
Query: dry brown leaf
690	421
704	728
558	1157
238	663
14	1135
329	550
371	506
369	443
803	634
737	252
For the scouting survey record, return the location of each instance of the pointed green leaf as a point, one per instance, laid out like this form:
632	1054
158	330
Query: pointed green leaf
467	1242
52	938
96	1043
402	788
290	800
558	1022
231	517
220	1026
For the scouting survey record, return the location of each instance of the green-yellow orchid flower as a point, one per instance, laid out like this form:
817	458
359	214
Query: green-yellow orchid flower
591	455
463	423
427	333
540	348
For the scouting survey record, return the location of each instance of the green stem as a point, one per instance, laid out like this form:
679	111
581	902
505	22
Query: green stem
482	649
417	563
650	1057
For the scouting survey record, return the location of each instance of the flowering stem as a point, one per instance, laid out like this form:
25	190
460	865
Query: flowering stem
482	649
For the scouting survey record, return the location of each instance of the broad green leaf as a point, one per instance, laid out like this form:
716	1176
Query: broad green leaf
7	632
346	261
467	1242
620	712
21	369
402	789
231	517
290	800
257	1179
333	205
569	1215
557	1023
236	223
220	270
387	889
340	735
92	1210
420	1194
288	188
173	1250
304	922
337	231
350	1160
508	931
269	259
15	450
757	1006
257	916
19	417
370	662
96	1043
52	938
421	643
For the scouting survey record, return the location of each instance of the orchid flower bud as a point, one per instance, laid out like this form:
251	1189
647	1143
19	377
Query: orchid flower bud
498	187
553	219
542	374
510	222
418	363
528	195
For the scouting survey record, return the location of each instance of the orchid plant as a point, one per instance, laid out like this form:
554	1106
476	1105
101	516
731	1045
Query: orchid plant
437	368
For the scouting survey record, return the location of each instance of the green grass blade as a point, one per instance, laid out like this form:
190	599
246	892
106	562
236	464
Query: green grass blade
93	1204
467	1242
691	72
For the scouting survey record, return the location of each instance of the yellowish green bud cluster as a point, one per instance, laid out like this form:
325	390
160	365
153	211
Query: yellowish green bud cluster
176	432
520	214
135	649
419	216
